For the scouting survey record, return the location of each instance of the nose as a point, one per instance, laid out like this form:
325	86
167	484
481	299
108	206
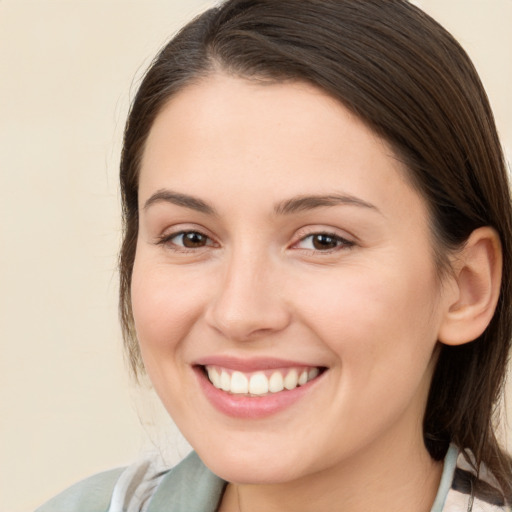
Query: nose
249	302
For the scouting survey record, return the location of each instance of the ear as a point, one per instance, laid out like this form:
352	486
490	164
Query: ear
476	283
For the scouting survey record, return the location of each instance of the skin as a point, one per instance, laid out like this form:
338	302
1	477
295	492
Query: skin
369	309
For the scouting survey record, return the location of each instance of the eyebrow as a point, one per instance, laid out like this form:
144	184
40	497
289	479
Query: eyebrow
287	207
168	196
304	203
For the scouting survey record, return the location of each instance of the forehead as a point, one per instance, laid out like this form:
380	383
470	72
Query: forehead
266	141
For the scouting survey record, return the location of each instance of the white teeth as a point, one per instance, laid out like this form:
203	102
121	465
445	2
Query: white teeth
275	383
214	377
258	383
225	381
313	373
239	383
291	380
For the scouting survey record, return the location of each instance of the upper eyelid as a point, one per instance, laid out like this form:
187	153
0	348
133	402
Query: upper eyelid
342	239
167	236
307	231
327	233
299	235
179	229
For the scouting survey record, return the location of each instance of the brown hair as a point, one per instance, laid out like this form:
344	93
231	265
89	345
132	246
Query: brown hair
411	82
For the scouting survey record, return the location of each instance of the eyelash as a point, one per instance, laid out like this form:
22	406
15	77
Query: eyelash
340	242
168	240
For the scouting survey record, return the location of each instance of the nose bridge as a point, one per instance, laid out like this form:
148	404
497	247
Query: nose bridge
248	300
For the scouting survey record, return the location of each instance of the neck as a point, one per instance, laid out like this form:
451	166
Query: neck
399	476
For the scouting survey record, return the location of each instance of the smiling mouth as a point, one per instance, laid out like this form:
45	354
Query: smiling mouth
260	383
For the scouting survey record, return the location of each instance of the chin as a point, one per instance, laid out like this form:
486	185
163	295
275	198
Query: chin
253	467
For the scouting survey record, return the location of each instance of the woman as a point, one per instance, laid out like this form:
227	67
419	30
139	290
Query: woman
315	272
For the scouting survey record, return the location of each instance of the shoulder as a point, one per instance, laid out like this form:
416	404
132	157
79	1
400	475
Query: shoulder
188	486
144	486
471	491
90	495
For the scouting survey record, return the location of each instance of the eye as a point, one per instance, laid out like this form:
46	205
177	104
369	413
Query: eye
323	242
187	240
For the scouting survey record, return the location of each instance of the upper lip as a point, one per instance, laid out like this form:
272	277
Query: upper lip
251	364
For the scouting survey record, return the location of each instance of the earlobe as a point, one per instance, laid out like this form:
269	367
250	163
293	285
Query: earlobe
476	281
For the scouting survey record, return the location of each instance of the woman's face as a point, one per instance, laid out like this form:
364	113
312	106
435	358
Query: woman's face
282	251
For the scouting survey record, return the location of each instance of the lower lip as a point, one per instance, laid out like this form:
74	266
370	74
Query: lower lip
251	407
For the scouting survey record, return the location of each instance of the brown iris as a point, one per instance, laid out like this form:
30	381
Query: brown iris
192	240
324	242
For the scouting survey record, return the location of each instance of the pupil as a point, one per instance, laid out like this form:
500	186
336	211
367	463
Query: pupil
193	240
324	242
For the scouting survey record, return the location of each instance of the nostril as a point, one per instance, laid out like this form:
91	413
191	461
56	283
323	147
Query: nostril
247	320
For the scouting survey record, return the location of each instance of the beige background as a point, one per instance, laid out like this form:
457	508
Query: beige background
67	68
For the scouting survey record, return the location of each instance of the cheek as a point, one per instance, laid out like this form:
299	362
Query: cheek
165	305
379	323
165	310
